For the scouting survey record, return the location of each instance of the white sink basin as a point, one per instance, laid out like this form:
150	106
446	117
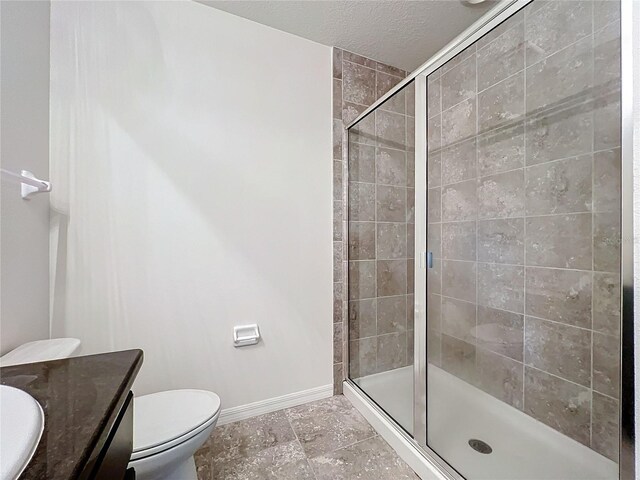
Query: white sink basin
21	425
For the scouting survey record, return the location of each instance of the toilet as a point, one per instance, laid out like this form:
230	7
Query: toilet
168	427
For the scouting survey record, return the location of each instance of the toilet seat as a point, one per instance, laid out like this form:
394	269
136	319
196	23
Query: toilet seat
165	419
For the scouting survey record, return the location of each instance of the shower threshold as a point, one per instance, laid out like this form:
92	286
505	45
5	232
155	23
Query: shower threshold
522	447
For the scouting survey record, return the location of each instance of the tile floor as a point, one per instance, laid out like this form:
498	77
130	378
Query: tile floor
323	440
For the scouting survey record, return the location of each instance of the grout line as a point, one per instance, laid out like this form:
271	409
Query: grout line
523	314
301	447
353	443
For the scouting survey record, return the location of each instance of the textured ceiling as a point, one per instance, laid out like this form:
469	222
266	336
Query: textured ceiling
401	33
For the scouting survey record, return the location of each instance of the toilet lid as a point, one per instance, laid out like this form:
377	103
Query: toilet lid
159	418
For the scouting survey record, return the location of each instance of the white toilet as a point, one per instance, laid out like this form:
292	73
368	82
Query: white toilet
168	427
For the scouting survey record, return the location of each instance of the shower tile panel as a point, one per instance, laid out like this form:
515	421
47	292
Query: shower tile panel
606	303
362	202
392	315
337	342
391	204
411	206
606	242
384	83
362	163
501	58
501	104
434	96
391	277
434	205
459	83
434	140
561	134
499	30
607	181
607	54
500	332
459	358
362	318
547	32
434	277
391	240
562	405
362	279
391	130
558	349
391	167
501	286
459	241
501	195
459	122
501	241
459	202
605	13
606	369
411	169
392	351
359	84
560	241
562	78
501	149
607	124
459	319
362	241
459	280
362	357
459	162
500	376
604	429
337	143
559	295
563	186
338	256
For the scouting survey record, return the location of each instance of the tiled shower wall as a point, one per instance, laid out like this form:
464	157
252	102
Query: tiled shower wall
357	83
524	217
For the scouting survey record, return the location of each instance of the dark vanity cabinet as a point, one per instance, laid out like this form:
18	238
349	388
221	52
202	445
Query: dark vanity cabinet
111	462
88	408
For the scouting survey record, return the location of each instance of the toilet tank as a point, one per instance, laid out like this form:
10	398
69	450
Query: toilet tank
41	351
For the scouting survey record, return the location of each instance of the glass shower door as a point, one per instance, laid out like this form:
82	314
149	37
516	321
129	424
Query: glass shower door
380	252
523	234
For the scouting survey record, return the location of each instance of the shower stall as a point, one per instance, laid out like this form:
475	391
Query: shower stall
488	199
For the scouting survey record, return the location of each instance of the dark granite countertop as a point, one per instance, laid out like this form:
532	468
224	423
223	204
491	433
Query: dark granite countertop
80	397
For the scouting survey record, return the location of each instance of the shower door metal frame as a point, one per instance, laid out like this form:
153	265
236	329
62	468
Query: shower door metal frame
502	11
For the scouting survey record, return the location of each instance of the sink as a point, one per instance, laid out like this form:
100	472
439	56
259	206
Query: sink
21	425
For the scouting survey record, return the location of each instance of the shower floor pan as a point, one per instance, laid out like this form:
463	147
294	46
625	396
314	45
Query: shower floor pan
522	447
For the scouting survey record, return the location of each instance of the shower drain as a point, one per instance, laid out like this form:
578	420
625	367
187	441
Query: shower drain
480	446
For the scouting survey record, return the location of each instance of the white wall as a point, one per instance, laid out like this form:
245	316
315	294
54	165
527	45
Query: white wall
24	144
190	149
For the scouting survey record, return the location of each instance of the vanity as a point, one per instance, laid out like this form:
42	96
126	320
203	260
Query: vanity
88	414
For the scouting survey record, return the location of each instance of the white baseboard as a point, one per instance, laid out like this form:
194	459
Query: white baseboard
405	450
242	412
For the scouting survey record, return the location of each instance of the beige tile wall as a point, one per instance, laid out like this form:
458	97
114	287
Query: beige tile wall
357	83
524	217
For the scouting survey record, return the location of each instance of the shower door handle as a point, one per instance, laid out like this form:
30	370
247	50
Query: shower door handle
429	259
